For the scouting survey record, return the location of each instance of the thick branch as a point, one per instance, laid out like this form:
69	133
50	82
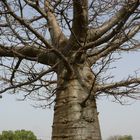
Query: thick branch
79	26
30	53
123	83
114	45
107	37
56	33
126	11
80	20
39	36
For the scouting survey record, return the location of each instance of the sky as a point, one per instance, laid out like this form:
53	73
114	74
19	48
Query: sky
115	119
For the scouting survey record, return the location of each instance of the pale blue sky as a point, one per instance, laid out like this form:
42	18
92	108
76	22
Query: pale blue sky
114	118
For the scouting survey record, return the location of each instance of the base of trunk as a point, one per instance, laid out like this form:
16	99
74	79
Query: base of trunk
73	121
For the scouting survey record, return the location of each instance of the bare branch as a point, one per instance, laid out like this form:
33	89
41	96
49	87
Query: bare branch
29	53
57	36
80	20
23	22
30	81
125	11
114	44
14	71
129	88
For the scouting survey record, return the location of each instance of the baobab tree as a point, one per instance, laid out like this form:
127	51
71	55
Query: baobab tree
57	52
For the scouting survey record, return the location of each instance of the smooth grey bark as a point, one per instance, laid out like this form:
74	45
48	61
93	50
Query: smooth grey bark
72	120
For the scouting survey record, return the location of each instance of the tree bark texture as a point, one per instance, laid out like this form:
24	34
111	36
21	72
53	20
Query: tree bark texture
72	120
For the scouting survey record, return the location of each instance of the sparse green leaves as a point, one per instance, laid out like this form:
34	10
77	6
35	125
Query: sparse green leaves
17	135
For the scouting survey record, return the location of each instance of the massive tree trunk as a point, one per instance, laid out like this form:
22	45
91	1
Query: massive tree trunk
75	119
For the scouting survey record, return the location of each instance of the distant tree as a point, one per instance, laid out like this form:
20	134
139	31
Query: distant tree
7	135
118	137
18	135
24	135
126	137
